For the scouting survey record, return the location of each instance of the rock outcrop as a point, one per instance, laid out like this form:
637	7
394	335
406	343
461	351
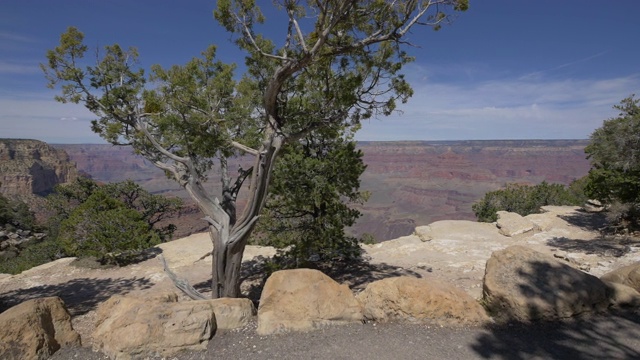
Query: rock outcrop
627	275
522	284
32	167
132	328
512	224
418	300
303	300
12	242
35	329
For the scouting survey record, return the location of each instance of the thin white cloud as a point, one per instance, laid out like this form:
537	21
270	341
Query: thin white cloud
537	74
8	36
504	109
7	67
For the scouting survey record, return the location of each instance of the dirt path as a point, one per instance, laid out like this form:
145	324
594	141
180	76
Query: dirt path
598	337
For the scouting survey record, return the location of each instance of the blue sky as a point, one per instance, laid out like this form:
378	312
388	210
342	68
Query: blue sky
505	69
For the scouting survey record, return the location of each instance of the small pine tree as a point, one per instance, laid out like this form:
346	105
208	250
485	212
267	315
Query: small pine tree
308	208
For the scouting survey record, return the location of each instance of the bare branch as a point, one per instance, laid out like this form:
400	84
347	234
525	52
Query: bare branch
248	34
303	43
143	127
181	284
245	148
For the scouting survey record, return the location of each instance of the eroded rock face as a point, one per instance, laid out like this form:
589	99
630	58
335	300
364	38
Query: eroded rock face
418	300
36	329
525	285
32	167
303	300
133	328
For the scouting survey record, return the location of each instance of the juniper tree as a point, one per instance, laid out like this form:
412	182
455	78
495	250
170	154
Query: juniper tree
186	118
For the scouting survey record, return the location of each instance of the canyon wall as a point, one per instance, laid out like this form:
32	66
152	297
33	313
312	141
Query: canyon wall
411	183
32	167
416	183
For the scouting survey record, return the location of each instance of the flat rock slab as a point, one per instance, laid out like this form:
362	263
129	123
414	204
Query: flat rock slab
512	224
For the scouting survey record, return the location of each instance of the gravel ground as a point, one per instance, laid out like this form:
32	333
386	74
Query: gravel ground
615	336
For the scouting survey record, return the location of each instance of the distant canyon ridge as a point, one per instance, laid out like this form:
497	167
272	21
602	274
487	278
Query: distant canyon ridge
411	183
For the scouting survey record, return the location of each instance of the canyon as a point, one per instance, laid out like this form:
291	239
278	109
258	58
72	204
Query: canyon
32	167
410	183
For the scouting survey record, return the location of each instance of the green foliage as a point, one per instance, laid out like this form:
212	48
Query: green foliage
614	152
113	222
337	63
527	199
15	214
34	255
308	208
105	228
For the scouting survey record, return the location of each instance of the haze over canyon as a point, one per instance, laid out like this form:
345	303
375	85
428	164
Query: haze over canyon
411	183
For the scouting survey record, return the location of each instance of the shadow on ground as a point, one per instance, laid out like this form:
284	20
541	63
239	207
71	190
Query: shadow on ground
604	246
585	220
551	291
80	295
615	336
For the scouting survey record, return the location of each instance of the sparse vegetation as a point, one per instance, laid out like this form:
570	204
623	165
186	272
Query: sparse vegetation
527	199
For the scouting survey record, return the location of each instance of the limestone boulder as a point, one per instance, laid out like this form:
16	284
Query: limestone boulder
593	206
232	313
628	275
134	328
417	300
35	329
512	224
525	285
622	296
303	300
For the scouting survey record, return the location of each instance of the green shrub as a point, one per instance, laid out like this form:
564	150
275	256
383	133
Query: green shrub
34	255
527	199
105	228
15	214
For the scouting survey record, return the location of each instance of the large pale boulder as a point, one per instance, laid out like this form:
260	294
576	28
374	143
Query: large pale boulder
132	328
232	313
524	285
303	300
417	300
35	329
622	296
512	224
628	275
